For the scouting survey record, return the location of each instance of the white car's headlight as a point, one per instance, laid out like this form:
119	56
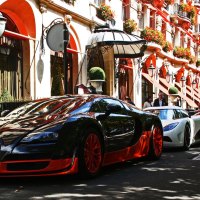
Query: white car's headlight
40	137
170	126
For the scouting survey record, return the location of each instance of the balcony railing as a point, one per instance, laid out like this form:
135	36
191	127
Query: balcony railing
182	14
197	1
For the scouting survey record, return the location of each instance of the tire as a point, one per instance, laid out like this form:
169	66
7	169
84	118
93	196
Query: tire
90	154
187	135
156	143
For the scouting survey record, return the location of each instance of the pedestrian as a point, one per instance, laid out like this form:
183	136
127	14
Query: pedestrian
148	102
178	101
128	100
160	101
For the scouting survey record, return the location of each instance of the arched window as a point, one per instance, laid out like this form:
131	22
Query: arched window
11	62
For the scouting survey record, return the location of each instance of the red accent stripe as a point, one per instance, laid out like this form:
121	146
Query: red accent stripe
140	149
54	165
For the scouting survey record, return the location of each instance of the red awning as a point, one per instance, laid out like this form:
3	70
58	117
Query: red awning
69	50
150	6
159	12
17	35
126	67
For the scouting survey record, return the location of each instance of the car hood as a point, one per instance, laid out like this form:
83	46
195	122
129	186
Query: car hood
17	128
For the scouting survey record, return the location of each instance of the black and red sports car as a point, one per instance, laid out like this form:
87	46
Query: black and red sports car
75	134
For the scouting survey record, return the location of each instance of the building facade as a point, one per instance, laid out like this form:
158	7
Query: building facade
30	69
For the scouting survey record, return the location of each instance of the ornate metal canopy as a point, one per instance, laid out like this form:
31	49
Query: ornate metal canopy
123	44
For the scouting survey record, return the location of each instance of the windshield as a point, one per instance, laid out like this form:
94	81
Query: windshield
164	114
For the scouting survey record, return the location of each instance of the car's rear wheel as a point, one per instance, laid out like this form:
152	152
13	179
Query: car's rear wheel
90	154
156	142
187	135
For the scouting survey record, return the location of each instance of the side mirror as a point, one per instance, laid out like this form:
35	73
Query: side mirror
4	113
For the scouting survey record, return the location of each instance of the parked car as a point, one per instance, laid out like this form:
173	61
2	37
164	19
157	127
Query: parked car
180	129
76	134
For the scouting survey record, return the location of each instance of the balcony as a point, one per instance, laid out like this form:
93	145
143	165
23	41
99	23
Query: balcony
181	17
197	3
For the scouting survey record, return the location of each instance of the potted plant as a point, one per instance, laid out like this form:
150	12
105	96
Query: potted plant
198	63
6	96
152	35
130	25
167	46
181	52
173	90
173	94
96	78
105	12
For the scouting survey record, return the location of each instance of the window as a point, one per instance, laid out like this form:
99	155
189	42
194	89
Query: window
99	2
164	114
184	113
178	114
104	103
126	9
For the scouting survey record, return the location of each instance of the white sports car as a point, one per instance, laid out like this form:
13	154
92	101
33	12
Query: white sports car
180	130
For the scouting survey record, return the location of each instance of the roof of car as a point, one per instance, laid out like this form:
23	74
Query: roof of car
163	107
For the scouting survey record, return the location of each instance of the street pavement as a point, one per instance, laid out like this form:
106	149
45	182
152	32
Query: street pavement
176	176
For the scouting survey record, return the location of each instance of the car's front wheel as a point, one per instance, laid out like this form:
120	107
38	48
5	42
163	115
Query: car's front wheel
156	142
187	135
90	154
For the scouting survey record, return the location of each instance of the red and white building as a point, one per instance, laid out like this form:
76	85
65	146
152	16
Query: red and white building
30	69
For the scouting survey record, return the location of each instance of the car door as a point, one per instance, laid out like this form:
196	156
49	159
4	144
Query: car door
118	127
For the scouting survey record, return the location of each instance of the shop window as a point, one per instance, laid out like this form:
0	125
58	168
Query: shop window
57	75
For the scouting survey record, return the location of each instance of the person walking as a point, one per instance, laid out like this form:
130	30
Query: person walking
160	101
148	102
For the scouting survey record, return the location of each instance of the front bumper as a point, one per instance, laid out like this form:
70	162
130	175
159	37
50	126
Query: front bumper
173	138
36	160
43	167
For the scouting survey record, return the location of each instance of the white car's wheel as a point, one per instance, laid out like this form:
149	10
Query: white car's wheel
187	135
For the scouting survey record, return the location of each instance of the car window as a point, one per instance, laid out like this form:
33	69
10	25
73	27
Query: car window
164	114
184	113
104	102
96	107
178	114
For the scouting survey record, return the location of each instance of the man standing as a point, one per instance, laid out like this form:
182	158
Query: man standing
160	101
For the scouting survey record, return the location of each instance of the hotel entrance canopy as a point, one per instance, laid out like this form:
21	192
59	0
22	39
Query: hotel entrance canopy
123	44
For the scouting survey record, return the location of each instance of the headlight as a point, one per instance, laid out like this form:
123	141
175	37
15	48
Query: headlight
40	137
170	126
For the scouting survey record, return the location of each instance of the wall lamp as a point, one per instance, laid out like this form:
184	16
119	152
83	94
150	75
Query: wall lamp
170	76
182	81
151	70
194	83
3	21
